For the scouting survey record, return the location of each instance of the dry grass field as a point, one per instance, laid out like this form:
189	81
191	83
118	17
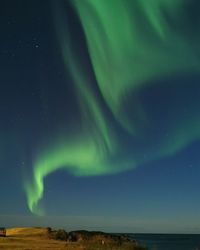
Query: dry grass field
38	238
28	239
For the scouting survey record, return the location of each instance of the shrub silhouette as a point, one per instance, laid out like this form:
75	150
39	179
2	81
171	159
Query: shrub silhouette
61	235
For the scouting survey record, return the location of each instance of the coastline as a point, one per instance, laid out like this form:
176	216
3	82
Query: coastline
47	238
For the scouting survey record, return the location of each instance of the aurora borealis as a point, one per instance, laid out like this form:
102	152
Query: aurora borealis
128	54
128	98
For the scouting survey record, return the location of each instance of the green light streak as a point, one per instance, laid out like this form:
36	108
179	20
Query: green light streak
131	44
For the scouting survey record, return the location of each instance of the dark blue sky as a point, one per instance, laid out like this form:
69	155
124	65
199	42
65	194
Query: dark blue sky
38	99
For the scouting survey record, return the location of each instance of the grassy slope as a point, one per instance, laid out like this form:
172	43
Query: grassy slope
38	238
29	238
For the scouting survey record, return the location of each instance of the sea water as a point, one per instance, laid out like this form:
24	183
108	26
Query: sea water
168	241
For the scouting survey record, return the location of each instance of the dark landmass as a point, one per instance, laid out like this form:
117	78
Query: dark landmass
99	239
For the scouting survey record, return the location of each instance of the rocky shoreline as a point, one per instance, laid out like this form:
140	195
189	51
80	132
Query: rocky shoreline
121	241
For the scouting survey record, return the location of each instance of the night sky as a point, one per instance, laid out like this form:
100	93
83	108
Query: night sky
99	114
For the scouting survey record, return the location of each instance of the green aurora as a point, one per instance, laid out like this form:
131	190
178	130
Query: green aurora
131	45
